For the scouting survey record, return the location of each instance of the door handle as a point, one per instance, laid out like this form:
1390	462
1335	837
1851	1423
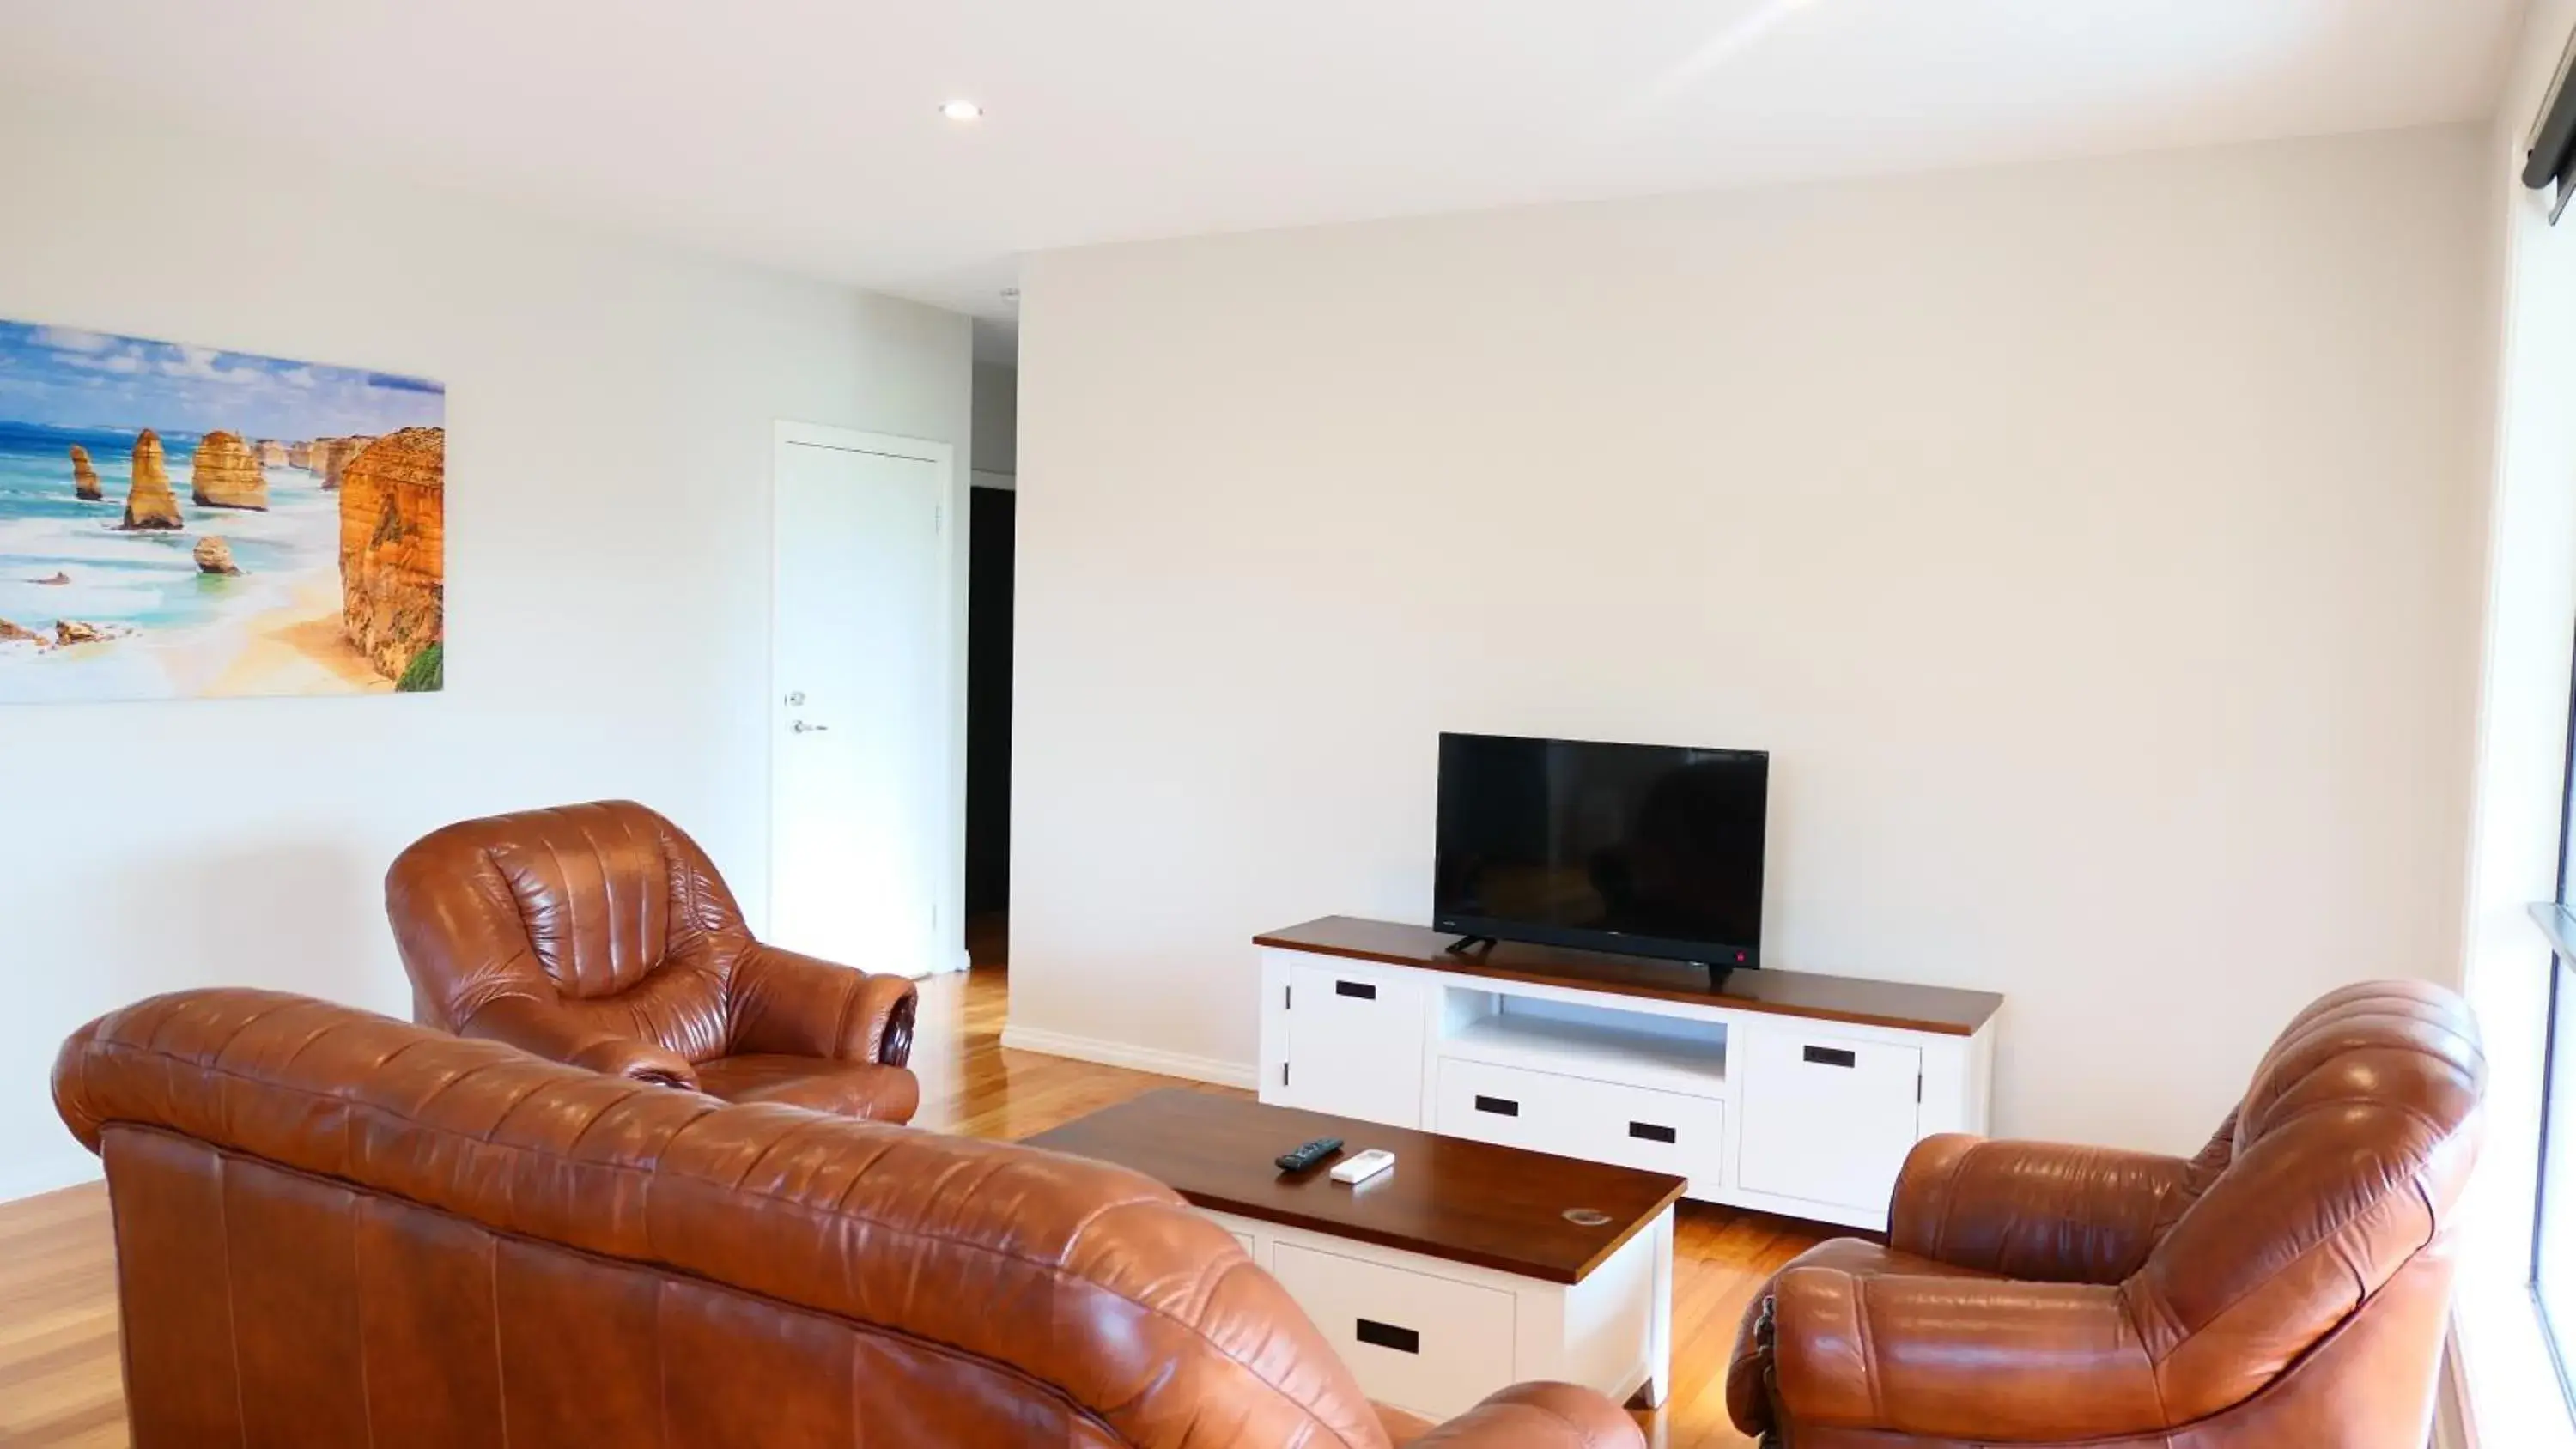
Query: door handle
802	728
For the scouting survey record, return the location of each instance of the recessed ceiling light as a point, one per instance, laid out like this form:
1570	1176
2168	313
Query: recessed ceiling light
962	111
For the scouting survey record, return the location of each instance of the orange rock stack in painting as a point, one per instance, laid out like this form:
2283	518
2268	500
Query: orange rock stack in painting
331	457
150	503
393	526
225	475
84	477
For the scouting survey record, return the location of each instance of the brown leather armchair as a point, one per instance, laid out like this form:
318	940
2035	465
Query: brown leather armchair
335	1228
2288	1286
601	936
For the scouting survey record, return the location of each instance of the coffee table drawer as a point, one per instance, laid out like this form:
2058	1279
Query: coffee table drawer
1432	1345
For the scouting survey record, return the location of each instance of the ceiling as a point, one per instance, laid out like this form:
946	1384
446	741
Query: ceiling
805	134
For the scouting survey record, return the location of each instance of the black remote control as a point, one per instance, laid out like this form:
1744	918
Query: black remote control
1310	1154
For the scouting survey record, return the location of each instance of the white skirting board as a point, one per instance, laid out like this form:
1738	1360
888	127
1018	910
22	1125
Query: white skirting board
1122	1054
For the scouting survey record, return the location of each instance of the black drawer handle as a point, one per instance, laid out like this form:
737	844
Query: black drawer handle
1499	1106
1360	989
1387	1335
1653	1133
1832	1057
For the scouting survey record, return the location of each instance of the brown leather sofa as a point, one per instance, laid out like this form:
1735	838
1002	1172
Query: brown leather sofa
2287	1287
337	1229
600	935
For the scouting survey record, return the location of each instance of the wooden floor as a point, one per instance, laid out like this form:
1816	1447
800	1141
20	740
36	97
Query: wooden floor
58	1362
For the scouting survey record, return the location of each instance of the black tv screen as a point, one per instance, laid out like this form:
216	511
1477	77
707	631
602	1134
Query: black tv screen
1648	850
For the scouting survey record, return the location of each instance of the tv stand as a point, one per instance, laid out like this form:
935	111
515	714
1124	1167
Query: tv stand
1468	945
1778	1090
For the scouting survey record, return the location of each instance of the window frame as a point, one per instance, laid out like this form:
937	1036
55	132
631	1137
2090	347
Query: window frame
2557	921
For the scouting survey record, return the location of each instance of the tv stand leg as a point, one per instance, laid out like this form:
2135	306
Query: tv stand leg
1467	945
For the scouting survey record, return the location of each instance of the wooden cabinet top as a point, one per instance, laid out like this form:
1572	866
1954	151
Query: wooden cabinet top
1943	1009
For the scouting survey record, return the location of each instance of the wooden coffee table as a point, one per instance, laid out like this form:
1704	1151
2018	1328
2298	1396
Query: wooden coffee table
1463	1269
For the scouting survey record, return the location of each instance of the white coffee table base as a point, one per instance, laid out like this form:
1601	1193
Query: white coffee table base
1436	1337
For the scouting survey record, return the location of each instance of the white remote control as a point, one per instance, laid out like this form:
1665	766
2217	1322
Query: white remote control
1364	1166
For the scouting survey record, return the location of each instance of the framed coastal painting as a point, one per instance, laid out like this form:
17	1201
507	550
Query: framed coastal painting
181	522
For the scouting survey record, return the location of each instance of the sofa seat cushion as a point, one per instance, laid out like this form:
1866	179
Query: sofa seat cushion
848	1089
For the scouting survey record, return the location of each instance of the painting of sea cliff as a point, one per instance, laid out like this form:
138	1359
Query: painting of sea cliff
180	522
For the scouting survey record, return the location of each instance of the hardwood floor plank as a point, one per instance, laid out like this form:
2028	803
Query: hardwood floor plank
60	1385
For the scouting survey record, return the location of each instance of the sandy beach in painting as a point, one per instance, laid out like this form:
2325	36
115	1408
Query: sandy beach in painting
296	648
303	647
181	523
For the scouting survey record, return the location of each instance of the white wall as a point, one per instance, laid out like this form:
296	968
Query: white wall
2092	545
609	446
997	423
2521	745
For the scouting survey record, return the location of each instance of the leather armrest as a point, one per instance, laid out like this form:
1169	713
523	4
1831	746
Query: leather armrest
71	1095
794	1004
1960	1358
2034	1210
557	1035
1538	1416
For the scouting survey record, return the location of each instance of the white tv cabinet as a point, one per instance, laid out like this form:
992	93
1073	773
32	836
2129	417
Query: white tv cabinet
1778	1090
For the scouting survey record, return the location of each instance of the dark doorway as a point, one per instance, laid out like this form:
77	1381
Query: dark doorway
988	723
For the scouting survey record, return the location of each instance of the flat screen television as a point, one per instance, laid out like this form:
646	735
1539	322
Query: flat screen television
1644	850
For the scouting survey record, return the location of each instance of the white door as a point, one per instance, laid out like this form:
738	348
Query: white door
859	708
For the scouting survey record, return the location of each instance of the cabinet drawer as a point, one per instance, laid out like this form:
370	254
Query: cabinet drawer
1355	1044
1597	1121
1432	1345
1654	1131
1827	1119
1514	1107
